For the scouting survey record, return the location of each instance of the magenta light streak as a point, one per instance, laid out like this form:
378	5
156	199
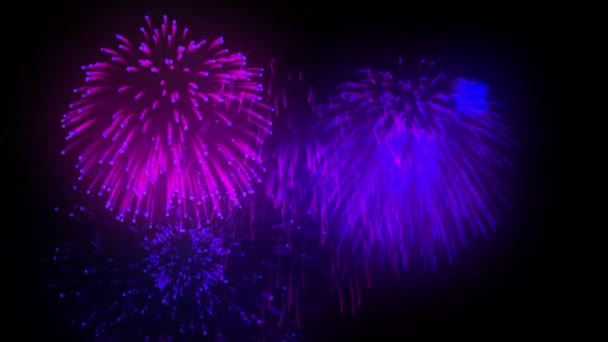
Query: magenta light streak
294	203
167	126
289	150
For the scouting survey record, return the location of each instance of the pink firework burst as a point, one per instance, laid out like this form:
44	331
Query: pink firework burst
168	126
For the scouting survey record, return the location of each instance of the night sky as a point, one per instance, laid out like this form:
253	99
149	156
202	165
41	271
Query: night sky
493	290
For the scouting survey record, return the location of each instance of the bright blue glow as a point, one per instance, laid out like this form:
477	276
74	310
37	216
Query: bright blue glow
471	97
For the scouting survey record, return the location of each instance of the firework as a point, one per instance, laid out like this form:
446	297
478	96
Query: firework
186	264
172	282
409	163
168	126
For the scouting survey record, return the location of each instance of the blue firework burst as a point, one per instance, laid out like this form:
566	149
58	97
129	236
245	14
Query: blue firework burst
111	282
410	160
114	282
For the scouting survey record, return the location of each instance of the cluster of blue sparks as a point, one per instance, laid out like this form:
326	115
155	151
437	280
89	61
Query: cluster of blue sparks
397	164
182	260
171	280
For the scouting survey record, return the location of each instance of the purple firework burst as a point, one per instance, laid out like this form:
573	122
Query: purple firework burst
410	162
167	125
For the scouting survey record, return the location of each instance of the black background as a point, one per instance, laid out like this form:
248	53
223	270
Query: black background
494	290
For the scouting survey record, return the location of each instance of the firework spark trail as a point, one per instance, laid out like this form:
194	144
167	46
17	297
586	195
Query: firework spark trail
288	149
410	163
288	189
288	158
167	126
